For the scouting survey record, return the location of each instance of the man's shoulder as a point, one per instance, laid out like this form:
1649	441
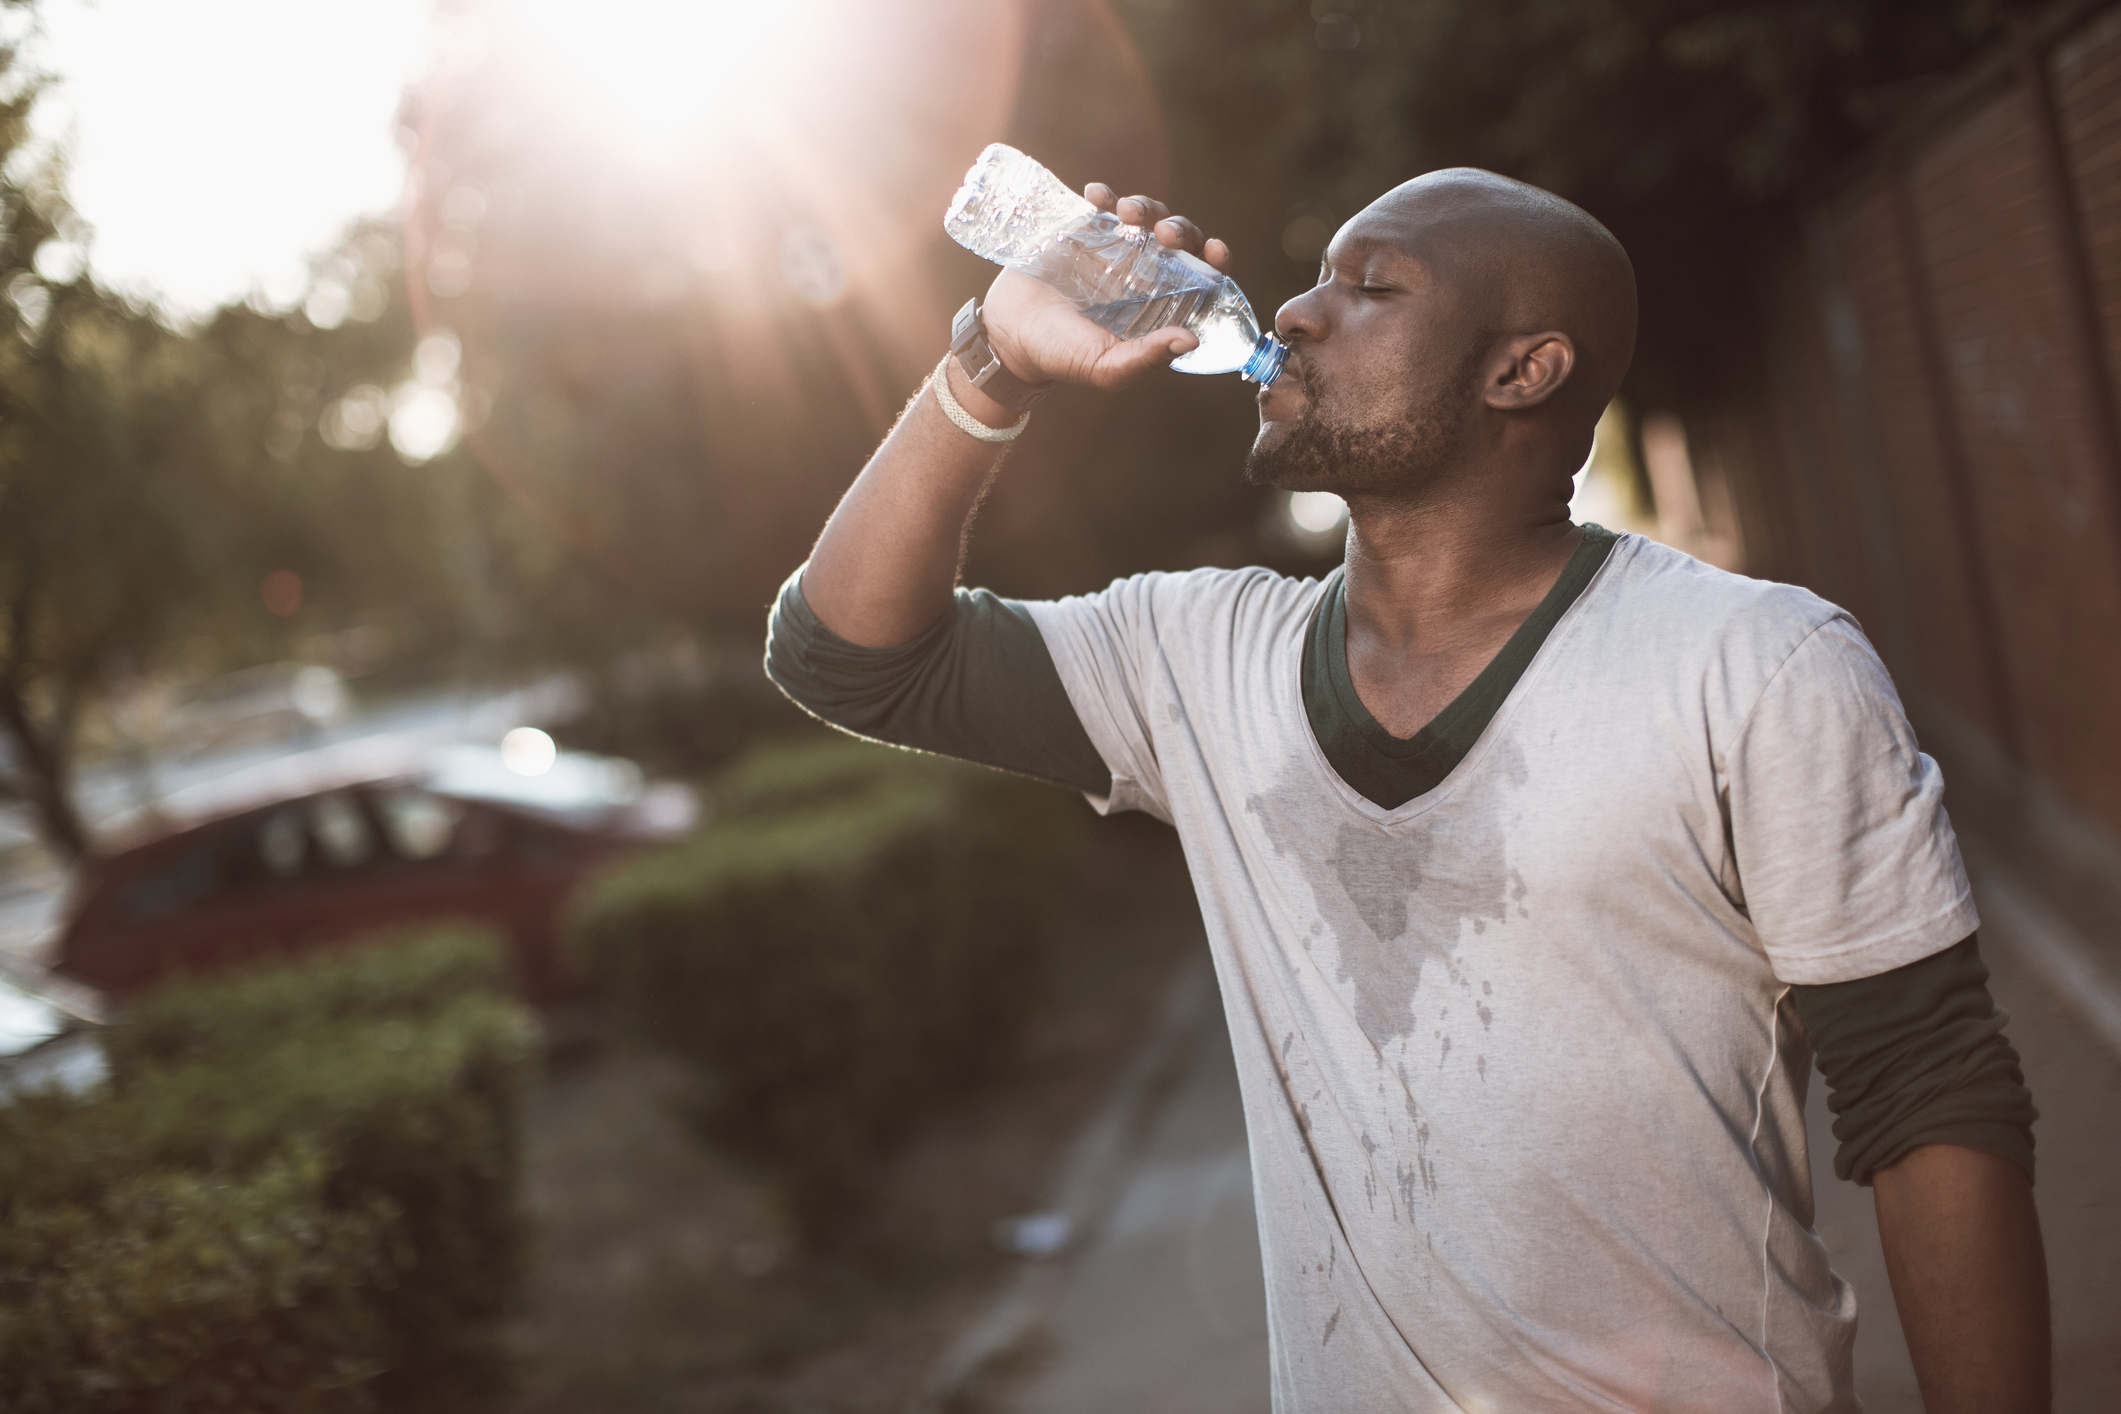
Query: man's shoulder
1168	602
1677	596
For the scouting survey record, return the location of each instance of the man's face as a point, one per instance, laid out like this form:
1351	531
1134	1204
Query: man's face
1383	374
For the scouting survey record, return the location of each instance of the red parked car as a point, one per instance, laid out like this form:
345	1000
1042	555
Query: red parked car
311	871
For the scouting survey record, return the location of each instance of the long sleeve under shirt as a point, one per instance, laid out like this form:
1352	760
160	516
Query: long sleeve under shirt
1912	1056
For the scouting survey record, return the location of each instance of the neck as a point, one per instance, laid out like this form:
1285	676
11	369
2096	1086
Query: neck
1424	571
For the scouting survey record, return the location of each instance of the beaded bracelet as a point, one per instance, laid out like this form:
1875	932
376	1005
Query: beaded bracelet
957	414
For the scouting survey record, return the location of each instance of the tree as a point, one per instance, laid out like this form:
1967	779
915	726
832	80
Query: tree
97	544
1686	125
152	478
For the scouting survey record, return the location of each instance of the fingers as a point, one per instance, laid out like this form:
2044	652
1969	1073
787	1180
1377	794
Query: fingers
1177	233
1124	362
1173	232
1141	210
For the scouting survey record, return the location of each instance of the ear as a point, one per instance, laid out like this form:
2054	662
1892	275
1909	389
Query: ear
1537	365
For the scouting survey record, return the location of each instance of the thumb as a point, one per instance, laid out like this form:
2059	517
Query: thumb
1124	362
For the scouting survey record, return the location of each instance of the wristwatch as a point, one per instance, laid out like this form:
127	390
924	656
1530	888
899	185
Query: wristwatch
983	366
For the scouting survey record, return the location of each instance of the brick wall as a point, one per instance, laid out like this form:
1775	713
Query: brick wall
1933	440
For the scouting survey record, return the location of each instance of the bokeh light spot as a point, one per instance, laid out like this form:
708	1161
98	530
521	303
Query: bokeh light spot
811	265
449	267
283	435
1306	237
528	751
464	207
61	262
1317	512
1338	31
32	302
355	422
435	360
328	304
424	424
281	593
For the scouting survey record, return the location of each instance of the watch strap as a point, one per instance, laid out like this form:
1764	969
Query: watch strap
983	366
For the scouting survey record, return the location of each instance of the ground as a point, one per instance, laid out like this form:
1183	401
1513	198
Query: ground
667	1279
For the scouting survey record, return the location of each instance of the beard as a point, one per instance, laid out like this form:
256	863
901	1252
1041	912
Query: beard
1324	451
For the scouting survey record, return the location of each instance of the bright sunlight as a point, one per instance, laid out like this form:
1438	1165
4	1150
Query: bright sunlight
664	76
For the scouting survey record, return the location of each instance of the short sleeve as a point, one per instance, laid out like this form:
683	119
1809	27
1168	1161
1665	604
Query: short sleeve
1845	857
1105	648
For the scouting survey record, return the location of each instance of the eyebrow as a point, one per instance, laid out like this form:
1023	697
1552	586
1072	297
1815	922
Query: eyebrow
1364	248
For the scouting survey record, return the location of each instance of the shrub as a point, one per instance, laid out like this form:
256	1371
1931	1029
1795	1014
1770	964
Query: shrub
175	1289
855	936
405	976
312	1209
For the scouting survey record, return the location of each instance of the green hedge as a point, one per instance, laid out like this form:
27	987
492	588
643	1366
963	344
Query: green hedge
855	936
298	1193
401	976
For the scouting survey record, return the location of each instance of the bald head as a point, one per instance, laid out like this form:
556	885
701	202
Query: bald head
1525	262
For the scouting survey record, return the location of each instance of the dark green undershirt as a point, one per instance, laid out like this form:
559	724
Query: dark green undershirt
1390	770
1918	1056
1912	1056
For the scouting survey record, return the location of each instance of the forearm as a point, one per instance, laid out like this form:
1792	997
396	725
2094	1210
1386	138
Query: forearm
1962	1246
885	566
883	570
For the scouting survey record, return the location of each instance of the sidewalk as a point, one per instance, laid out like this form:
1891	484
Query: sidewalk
1165	1313
2074	1071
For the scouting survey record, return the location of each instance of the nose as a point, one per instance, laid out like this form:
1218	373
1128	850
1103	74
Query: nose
1302	318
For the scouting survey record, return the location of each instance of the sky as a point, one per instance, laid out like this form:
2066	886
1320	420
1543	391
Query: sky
214	145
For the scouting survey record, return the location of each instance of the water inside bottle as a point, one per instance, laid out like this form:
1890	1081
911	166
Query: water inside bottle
1214	309
1230	340
1132	318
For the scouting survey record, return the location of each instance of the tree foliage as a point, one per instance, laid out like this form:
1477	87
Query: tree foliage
95	545
1686	125
152	477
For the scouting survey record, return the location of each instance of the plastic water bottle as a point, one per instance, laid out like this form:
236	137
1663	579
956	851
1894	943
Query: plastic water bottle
1019	215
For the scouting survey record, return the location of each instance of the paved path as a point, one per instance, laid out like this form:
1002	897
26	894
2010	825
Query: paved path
1166	1312
1163	1314
2075	1075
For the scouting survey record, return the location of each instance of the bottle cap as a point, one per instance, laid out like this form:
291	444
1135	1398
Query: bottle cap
1265	364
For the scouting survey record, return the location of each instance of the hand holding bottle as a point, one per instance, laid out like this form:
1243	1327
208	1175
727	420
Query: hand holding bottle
1040	335
1107	287
1096	290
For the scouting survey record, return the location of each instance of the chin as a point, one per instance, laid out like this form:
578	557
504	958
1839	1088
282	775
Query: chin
1297	454
1284	474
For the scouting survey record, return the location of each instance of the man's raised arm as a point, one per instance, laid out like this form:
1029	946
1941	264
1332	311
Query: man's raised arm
884	569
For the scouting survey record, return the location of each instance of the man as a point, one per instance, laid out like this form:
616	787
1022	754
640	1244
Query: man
1537	862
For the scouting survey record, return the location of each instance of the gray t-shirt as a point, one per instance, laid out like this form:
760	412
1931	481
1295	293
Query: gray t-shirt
1525	1104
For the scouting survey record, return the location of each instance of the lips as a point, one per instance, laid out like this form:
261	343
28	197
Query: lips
1292	377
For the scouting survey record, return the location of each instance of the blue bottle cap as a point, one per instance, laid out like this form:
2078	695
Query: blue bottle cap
1265	364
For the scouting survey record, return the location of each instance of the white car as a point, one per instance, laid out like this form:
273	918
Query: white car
48	1034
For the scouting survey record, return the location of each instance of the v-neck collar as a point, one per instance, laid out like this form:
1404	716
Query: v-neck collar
1389	770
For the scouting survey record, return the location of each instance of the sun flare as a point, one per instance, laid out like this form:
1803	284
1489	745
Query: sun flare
664	76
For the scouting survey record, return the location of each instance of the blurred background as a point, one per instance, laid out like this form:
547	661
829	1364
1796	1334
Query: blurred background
407	413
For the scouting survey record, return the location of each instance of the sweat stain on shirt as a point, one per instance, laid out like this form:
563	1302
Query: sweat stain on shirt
1383	883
